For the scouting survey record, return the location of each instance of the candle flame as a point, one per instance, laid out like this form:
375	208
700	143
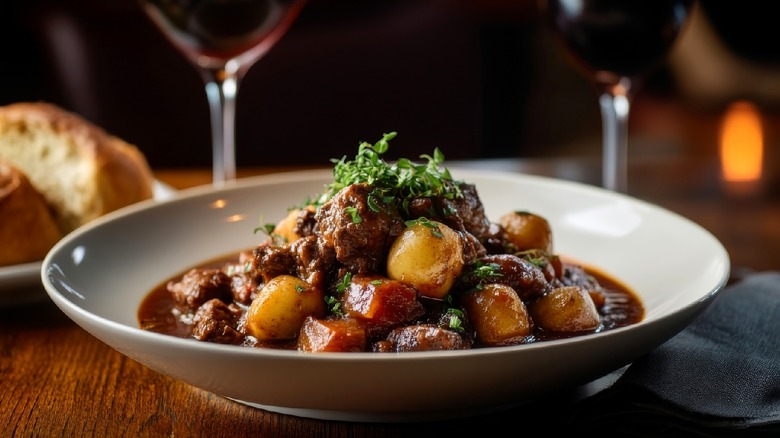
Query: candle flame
741	143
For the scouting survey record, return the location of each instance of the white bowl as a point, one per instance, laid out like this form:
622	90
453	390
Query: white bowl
99	274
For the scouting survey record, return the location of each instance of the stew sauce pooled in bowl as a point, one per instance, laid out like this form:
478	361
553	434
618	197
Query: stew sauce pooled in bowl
392	257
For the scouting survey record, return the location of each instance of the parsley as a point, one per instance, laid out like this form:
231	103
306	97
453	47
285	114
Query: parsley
332	302
352	211
398	182
266	229
486	271
456	319
344	283
334	305
424	221
479	274
454	316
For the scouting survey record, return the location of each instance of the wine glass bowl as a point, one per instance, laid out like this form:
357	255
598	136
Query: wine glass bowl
616	43
223	39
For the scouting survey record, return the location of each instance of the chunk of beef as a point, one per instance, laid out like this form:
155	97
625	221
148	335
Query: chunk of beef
244	279
470	210
472	247
575	275
495	240
359	235
272	260
463	213
305	223
424	337
198	286
527	279
314	260
217	322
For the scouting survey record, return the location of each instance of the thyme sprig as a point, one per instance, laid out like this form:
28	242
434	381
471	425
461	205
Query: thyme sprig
398	182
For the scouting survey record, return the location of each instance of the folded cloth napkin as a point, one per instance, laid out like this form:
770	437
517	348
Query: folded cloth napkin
718	377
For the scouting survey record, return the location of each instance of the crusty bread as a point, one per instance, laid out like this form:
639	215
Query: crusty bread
82	171
27	227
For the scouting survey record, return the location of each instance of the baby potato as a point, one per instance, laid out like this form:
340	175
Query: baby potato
427	255
565	309
281	306
527	231
497	314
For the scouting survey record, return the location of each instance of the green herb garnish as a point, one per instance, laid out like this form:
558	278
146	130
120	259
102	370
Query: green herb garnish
352	211
398	182
424	221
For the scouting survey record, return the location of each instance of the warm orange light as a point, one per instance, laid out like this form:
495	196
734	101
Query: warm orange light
741	143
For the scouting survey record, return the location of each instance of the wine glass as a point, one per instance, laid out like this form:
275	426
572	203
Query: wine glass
617	42
223	39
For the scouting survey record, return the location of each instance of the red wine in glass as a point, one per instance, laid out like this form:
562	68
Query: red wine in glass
617	43
223	39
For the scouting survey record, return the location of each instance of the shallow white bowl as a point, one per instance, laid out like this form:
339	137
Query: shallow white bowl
99	275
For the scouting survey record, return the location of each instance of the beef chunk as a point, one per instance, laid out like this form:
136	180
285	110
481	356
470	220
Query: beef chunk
359	235
314	259
215	321
424	337
272	261
198	286
305	224
470	210
527	279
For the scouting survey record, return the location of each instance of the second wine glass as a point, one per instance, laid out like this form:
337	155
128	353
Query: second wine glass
223	39
618	42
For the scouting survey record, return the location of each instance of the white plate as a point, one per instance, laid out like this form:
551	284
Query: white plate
21	284
99	274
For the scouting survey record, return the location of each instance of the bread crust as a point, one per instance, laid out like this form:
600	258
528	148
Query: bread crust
82	171
27	230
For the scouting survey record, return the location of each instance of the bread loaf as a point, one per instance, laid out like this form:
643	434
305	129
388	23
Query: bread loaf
27	227
82	171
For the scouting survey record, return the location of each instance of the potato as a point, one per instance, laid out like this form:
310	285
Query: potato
281	306
565	309
497	314
527	231
344	334
427	255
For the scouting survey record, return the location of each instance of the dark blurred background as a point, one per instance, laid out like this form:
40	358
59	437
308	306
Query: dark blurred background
478	79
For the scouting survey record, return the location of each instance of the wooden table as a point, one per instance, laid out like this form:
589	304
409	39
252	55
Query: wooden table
58	380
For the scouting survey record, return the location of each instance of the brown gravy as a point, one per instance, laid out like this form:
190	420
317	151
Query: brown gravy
156	312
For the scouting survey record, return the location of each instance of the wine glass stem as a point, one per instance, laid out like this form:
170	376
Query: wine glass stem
221	90
615	106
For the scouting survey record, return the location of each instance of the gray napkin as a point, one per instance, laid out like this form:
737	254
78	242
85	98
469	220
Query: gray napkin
718	377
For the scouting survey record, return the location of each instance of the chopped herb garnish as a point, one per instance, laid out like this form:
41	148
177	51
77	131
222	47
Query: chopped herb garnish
424	221
454	316
486	271
456	319
352	211
334	305
266	229
397	182
344	283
